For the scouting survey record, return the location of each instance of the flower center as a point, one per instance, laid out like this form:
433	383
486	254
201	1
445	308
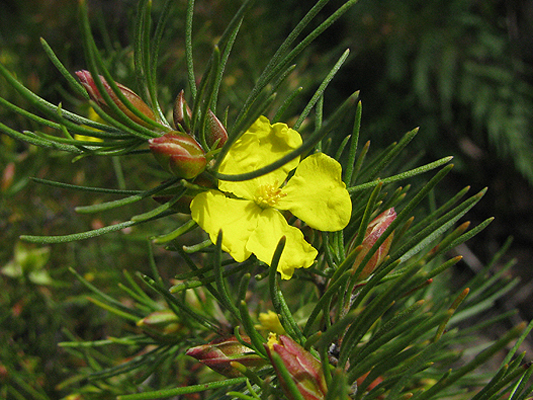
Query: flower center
267	195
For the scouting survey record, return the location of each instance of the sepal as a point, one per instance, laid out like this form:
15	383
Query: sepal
179	154
221	353
373	232
87	81
304	368
216	132
182	113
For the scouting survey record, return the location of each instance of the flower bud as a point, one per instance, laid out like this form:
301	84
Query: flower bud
216	133
304	368
182	113
373	232
162	324
179	154
88	82
219	354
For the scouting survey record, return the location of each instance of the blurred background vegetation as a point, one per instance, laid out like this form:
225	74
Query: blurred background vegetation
462	70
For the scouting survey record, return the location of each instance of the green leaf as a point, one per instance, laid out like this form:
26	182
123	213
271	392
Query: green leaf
163	394
320	91
125	201
401	176
78	236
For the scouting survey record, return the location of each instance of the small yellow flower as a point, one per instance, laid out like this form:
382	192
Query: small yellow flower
272	340
95	117
269	321
248	212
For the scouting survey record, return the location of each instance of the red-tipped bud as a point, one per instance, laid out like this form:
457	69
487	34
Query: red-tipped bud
216	133
182	113
373	233
179	154
88	82
219	354
304	368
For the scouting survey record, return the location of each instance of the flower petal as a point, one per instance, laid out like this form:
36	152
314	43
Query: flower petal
264	240
237	219
317	195
260	145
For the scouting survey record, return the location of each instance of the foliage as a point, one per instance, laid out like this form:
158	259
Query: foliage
454	67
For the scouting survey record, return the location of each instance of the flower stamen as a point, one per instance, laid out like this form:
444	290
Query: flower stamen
268	195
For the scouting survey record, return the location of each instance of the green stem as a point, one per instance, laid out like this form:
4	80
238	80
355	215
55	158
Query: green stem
163	394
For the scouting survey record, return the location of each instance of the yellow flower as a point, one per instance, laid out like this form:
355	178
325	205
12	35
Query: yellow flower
272	340
94	117
248	212
269	321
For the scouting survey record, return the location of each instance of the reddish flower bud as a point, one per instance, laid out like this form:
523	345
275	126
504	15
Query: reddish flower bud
216	133
88	82
373	232
304	368
179	154
182	113
219	354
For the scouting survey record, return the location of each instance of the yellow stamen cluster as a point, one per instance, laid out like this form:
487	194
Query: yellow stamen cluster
272	340
267	195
